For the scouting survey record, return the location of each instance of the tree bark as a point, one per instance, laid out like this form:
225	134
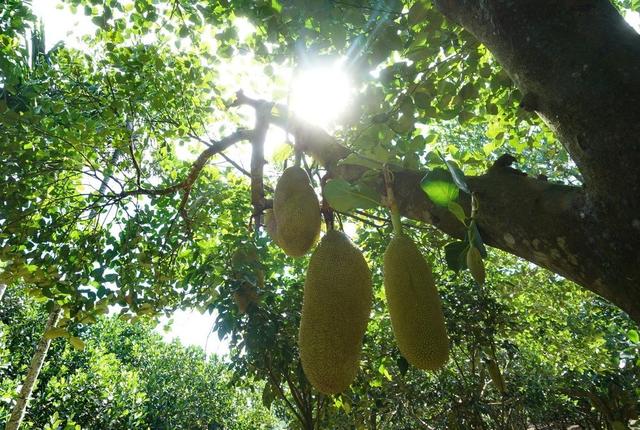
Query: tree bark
18	412
3	288
539	221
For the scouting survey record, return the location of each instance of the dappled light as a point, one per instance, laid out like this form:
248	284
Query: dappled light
319	215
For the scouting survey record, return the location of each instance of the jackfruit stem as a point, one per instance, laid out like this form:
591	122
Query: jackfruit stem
298	157
391	201
395	219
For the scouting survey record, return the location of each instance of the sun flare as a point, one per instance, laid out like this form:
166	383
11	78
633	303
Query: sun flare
321	95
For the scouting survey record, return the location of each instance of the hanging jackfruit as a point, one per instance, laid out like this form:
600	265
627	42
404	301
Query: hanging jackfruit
335	310
496	376
414	305
296	211
248	273
245	296
271	226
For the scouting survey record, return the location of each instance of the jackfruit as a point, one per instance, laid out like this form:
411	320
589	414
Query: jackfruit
296	211
271	226
244	297
247	271
414	305
335	310
244	256
246	266
496	376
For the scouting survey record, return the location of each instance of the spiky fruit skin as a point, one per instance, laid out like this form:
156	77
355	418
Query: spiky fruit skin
414	305
335	311
296	211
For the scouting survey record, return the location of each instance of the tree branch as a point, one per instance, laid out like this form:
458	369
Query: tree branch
196	168
263	114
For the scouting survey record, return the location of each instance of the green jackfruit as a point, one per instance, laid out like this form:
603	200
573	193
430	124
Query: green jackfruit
335	310
246	266
248	272
414	305
296	211
496	376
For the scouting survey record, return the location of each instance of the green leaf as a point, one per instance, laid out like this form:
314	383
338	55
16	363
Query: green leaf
457	175
456	255
422	100
633	336
439	187
492	109
281	153
344	197
358	160
476	265
77	343
375	382
417	13
384	372
464	116
476	240
56	332
346	405
458	211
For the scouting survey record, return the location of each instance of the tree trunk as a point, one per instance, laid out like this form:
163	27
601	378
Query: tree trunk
3	288
17	414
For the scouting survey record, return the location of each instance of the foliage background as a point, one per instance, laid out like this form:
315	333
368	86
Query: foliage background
84	131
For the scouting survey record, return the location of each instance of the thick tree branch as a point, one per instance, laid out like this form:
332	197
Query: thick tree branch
539	221
578	65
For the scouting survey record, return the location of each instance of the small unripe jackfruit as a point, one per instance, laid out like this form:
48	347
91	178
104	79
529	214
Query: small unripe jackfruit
270	225
414	305
335	310
244	297
247	270
496	376
296	211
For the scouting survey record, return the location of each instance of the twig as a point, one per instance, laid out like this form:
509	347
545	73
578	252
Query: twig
263	114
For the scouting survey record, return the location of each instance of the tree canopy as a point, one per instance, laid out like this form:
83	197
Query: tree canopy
125	376
137	169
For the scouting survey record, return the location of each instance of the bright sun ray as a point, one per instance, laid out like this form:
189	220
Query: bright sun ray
321	95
